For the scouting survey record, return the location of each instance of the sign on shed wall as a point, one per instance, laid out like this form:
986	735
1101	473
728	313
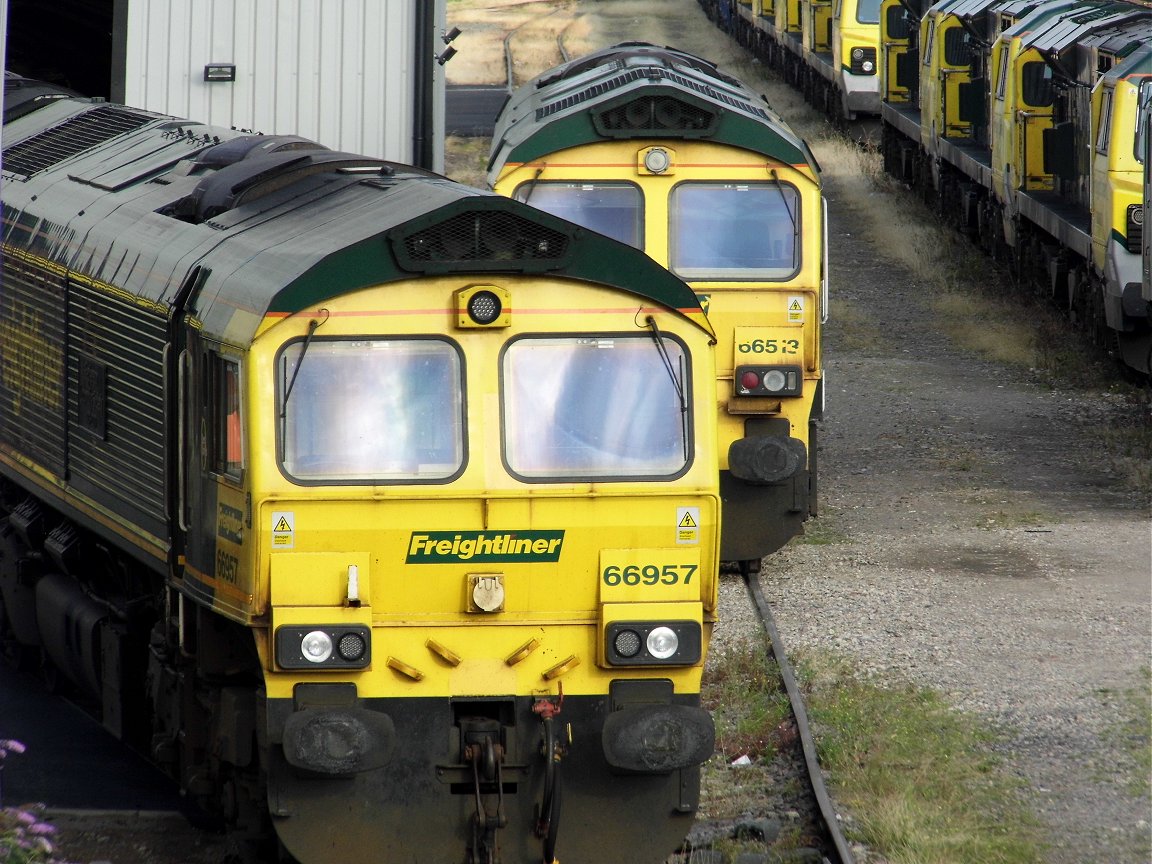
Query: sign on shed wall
346	73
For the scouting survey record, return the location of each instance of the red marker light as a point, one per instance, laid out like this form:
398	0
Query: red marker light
749	381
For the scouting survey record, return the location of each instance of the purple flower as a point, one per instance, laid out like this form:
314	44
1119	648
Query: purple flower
13	745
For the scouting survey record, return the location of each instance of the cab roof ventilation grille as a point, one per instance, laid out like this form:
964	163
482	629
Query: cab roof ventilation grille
658	114
483	240
70	138
652	74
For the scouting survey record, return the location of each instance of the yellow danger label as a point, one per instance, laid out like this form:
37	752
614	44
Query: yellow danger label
283	529
687	525
795	308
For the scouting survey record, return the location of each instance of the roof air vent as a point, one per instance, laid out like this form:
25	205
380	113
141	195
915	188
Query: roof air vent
70	138
482	239
655	114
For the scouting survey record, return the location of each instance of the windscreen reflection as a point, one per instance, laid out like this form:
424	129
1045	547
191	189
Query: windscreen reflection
372	410
612	209
733	231
593	408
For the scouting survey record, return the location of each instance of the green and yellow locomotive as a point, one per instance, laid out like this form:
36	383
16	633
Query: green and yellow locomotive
1020	120
659	149
826	50
380	511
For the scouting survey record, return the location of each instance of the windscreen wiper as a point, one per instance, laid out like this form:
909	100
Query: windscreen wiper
313	326
677	380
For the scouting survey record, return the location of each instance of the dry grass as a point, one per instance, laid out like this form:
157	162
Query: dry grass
1128	446
856	330
923	785
465	160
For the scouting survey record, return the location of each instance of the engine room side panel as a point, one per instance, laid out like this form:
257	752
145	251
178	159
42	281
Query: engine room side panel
116	361
32	364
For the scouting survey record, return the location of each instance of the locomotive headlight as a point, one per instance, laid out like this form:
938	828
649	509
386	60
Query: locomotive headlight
652	643
657	160
351	647
627	643
338	646
663	643
316	647
1134	230
483	306
862	61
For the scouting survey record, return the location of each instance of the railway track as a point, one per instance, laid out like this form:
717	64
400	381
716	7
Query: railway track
829	820
802	823
512	80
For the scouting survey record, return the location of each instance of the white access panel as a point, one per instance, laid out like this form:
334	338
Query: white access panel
340	72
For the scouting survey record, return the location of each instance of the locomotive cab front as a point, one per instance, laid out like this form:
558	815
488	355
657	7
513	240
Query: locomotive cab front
482	565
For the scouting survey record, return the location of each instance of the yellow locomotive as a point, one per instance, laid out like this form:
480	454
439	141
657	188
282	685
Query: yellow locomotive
1144	156
659	149
379	511
1020	120
827	50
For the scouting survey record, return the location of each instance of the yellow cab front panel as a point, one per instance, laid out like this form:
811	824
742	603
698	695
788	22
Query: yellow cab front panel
479	543
709	214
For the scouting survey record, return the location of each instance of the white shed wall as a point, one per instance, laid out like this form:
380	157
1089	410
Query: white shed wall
341	72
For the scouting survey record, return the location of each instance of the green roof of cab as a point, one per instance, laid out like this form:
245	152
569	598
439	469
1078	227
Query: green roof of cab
556	110
589	256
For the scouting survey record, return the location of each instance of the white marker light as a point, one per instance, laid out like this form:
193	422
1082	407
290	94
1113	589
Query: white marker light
316	646
663	642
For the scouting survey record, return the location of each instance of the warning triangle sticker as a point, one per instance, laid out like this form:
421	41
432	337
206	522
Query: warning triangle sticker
687	521
282	525
796	306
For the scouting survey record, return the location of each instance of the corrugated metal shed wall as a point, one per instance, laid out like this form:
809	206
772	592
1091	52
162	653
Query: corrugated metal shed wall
341	72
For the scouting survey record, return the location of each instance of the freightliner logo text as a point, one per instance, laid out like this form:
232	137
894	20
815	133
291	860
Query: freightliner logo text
444	547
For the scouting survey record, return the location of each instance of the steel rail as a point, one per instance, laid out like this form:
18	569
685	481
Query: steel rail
815	777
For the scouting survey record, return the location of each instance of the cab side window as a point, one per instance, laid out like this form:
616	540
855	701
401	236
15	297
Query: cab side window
226	444
1002	78
1104	133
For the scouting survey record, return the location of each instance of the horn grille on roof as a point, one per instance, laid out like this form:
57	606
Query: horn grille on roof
70	138
656	114
483	240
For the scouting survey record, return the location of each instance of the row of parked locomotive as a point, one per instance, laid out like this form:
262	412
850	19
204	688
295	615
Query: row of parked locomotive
1019	119
827	49
1022	121
380	512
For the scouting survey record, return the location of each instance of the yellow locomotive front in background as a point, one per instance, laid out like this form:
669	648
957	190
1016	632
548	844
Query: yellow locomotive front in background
659	149
380	512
